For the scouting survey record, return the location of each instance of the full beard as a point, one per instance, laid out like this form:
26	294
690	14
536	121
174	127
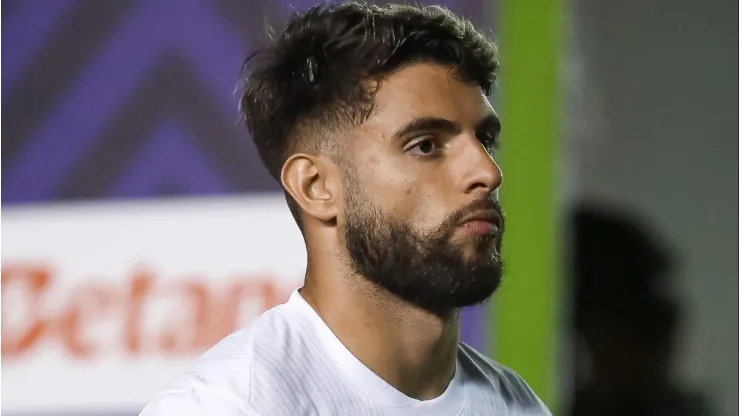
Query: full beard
429	271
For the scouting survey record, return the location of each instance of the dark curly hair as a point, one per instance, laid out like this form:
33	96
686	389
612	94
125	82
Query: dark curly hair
321	72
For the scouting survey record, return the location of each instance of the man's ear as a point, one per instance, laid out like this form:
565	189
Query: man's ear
313	183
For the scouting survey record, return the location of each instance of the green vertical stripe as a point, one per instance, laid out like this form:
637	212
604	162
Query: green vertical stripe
524	317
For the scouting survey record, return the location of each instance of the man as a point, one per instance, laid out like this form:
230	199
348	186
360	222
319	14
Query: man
375	121
626	319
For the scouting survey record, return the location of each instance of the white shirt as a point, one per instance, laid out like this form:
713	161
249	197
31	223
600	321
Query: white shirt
288	362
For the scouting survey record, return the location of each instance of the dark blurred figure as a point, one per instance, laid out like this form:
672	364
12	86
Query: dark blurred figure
626	319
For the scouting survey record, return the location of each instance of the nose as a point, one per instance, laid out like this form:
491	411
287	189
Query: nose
481	172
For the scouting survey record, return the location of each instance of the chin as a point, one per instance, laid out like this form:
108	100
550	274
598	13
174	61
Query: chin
479	297
480	250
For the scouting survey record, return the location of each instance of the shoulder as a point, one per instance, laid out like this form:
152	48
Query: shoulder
195	400
220	382
511	387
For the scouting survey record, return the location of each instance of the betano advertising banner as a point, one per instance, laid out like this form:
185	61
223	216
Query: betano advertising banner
104	304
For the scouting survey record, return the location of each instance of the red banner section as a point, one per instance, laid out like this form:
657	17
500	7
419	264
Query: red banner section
198	312
105	304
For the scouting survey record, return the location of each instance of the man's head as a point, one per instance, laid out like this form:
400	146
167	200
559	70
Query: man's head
376	122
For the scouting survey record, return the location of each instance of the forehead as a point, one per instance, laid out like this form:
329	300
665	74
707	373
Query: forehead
426	90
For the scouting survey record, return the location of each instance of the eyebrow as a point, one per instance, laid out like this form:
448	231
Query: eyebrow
428	123
489	124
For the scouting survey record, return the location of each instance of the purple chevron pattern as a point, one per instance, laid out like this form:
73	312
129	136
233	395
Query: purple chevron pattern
62	129
150	34
26	31
167	158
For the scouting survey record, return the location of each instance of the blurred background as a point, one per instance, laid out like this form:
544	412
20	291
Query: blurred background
139	227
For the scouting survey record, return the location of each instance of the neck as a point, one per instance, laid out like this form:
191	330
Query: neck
411	349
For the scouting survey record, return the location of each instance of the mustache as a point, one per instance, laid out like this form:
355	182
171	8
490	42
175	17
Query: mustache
484	204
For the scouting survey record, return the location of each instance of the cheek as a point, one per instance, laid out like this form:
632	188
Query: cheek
429	209
401	189
408	199
390	189
382	179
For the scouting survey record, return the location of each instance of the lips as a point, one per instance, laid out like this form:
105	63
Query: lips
481	228
483	222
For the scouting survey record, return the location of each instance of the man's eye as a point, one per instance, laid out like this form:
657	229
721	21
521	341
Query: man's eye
425	147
